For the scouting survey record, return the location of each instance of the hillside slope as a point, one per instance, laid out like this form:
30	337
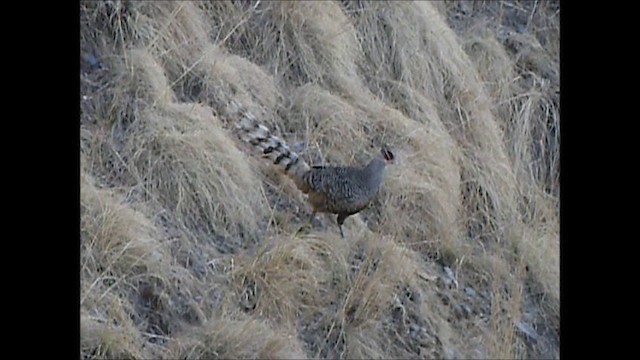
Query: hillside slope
193	247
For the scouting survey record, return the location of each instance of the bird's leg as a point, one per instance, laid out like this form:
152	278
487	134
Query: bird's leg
340	220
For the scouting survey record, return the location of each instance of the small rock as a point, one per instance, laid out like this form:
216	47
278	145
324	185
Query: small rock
450	277
414	330
462	311
469	291
91	60
527	330
458	312
450	353
467	310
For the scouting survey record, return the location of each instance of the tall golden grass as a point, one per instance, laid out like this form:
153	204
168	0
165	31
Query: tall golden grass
192	247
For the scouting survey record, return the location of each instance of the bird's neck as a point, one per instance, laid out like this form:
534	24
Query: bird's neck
374	173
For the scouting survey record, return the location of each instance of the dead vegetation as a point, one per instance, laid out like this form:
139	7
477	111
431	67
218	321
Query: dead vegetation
191	247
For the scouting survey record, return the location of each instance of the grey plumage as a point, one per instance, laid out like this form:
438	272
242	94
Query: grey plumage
341	190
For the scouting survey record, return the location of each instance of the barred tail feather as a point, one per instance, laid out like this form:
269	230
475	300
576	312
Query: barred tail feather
272	147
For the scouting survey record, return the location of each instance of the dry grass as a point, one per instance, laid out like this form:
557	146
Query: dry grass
194	248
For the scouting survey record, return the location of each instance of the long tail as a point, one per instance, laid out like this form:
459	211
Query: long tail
272	147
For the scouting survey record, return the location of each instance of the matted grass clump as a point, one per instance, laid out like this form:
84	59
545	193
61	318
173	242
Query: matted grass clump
193	247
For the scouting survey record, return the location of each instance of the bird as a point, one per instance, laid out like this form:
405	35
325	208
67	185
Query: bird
339	190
